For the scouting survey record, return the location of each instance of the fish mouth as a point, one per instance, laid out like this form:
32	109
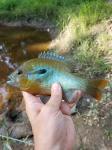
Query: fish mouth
15	81
12	81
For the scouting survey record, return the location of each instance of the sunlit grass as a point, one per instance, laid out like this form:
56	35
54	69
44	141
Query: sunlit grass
88	11
93	53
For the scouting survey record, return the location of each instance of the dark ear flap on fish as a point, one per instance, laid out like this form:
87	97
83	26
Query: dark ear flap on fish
51	55
95	88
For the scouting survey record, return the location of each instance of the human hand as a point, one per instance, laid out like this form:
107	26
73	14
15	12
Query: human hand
51	123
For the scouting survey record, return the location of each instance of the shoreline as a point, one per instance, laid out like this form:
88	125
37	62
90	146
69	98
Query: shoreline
41	24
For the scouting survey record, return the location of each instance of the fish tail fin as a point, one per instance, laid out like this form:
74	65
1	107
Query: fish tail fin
95	88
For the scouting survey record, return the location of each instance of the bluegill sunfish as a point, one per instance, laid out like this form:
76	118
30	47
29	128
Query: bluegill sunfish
36	76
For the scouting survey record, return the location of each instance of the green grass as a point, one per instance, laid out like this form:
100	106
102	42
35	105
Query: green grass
90	57
88	11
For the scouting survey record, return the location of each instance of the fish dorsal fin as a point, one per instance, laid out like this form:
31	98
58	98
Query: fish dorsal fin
51	56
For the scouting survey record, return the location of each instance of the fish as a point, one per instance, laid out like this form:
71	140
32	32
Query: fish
37	75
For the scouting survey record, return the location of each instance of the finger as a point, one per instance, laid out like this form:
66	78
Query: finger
76	96
32	103
72	105
56	96
29	98
74	110
65	108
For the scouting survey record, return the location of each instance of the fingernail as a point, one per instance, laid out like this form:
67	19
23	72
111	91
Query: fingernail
25	93
56	87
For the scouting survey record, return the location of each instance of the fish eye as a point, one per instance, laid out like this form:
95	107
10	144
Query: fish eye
19	72
42	71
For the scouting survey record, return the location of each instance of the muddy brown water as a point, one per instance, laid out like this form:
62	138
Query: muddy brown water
18	44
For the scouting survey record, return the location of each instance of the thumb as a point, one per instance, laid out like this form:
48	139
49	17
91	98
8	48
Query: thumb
56	96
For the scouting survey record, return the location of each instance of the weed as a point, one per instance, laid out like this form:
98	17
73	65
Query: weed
108	133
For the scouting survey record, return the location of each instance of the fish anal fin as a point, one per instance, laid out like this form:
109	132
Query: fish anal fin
97	95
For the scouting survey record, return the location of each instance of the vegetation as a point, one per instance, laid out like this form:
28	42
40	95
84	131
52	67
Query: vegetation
93	53
85	13
88	11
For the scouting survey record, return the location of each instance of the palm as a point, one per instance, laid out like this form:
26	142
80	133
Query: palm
65	129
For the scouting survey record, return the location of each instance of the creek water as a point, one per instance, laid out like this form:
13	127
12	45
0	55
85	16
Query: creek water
18	44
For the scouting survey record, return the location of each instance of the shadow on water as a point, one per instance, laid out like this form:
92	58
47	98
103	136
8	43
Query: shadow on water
18	44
